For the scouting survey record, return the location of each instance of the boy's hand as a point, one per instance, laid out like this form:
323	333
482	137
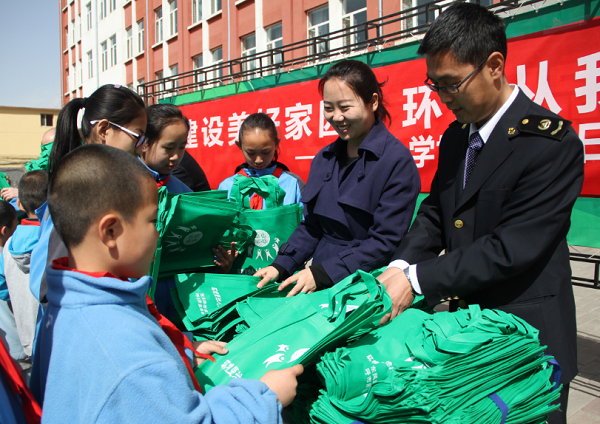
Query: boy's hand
9	193
208	347
225	258
283	383
267	274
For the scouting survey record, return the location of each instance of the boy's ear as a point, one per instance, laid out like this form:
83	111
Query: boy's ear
3	231
110	228
20	206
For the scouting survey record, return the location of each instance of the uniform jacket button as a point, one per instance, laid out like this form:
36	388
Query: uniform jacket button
458	223
462	304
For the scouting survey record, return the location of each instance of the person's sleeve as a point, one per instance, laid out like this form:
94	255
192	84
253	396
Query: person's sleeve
302	243
3	287
159	393
226	184
391	220
535	219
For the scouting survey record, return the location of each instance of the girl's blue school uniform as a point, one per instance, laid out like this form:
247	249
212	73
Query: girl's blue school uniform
174	184
354	216
290	183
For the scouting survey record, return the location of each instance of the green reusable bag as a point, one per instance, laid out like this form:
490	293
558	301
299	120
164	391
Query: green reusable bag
202	294
42	161
273	225
276	343
3	181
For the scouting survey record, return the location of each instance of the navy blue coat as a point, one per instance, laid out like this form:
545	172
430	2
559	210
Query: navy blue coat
354	218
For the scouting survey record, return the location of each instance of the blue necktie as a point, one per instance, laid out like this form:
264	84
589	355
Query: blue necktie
475	146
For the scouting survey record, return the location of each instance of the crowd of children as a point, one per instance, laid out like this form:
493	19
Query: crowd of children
77	264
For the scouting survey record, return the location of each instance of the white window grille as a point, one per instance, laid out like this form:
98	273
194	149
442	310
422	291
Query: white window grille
318	25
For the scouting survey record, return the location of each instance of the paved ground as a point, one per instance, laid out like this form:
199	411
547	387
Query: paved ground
584	397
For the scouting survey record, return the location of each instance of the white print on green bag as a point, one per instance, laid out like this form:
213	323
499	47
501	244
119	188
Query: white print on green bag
261	241
217	296
201	303
187	240
280	357
349	308
231	369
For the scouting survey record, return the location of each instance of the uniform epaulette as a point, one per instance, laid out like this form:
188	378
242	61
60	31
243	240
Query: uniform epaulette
544	125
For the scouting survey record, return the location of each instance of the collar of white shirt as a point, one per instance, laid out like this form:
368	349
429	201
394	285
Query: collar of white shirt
486	129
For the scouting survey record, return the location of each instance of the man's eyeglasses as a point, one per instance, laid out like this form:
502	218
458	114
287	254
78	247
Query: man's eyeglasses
453	89
141	139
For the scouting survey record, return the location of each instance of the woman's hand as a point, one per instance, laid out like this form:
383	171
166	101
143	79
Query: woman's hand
305	283
267	274
208	347
225	258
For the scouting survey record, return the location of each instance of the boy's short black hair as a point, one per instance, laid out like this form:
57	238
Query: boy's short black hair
8	214
90	182
33	190
467	30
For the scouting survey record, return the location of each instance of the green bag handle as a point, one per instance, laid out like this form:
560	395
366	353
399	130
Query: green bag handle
240	232
166	204
266	187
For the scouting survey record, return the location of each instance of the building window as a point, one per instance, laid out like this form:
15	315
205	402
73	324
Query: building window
102	11
174	70
217	58
274	41
160	78
80	72
46	119
129	43
172	18
158	25
88	8
318	25
215	6
90	63
198	63
140	34
196	11
248	49
421	18
355	13
73	31
112	5
104	56
113	50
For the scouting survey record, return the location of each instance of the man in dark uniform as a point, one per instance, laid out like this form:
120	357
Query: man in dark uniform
508	175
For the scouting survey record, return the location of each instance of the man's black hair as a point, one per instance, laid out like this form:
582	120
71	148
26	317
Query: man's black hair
92	181
33	190
469	31
8	214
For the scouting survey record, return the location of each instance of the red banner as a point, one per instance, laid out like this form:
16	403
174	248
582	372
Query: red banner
556	68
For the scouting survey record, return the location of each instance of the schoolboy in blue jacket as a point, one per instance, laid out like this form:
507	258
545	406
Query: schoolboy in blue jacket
100	356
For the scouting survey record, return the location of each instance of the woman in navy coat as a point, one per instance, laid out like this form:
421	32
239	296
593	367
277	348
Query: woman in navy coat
361	191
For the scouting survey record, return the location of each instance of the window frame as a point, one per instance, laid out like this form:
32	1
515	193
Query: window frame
172	18
129	42
113	50
104	56
89	21
141	42
324	45
158	25
90	61
196	11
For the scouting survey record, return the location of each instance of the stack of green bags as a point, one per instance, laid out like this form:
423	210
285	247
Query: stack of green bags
469	366
299	330
190	225
42	161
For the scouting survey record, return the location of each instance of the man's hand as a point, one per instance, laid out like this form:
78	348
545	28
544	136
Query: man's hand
283	383
9	193
225	258
305	283
208	347
398	287
267	274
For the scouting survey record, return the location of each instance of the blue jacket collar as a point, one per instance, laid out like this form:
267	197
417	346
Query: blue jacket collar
156	175
260	172
374	142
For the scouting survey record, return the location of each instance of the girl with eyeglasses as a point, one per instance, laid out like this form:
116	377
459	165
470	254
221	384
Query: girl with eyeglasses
112	115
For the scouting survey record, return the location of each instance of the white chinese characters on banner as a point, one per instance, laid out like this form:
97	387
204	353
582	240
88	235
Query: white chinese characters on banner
543	88
423	146
325	129
297	125
424	109
192	141
590	75
235	122
583	128
212	131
